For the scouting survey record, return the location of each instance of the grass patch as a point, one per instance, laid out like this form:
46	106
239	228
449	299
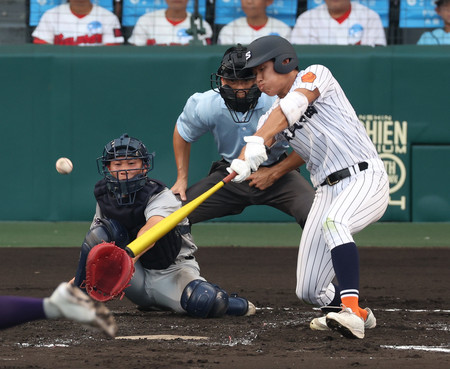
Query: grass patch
71	234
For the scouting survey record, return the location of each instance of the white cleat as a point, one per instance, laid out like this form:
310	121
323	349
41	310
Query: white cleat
68	301
320	324
347	323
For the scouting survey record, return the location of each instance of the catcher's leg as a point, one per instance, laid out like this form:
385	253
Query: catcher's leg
206	300
103	230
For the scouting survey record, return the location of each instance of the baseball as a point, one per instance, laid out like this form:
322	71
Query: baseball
64	166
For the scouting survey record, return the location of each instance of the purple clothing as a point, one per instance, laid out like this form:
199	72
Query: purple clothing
15	310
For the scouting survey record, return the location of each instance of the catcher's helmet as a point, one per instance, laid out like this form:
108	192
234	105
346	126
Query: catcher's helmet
125	148
232	67
274	48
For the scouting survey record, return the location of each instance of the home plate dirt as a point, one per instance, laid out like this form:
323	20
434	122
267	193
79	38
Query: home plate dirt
406	288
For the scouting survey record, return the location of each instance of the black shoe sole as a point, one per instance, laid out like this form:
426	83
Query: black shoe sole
336	326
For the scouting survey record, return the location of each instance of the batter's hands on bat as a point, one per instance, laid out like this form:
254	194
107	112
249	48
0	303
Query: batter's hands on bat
242	168
263	178
255	151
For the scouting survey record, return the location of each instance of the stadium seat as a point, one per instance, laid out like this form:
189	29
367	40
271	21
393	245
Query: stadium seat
39	7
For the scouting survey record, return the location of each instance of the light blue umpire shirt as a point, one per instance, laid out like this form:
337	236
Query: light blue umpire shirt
207	112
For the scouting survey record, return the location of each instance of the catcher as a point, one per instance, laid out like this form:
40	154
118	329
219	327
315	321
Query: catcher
166	276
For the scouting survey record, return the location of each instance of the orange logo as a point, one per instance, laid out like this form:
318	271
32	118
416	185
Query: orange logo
309	77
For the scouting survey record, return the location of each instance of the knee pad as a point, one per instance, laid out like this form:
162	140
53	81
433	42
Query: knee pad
204	300
107	230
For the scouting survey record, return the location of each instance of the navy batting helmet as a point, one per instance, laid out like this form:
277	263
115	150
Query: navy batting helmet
274	48
125	148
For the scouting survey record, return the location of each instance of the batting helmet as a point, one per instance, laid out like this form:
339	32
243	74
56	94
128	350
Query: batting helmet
125	148
274	48
232	67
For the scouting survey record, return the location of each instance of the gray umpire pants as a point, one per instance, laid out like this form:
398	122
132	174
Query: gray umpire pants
292	194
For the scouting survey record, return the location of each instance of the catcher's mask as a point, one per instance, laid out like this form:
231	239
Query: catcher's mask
232	68
125	148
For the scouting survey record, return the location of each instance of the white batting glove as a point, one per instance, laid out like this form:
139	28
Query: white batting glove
242	168
255	151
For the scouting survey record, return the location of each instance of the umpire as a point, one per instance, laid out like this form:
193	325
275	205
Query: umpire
230	111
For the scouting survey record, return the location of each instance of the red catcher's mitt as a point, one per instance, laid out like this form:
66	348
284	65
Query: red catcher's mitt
108	271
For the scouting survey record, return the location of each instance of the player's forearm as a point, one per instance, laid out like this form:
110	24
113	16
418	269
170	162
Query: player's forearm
182	152
151	222
292	162
276	122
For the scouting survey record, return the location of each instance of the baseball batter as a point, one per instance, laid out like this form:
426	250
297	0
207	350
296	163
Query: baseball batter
167	276
230	112
78	23
352	188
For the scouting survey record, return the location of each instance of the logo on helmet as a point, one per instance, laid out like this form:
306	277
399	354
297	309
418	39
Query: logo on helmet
248	55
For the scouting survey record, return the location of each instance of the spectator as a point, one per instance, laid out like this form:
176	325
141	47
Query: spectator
440	36
79	23
168	27
339	22
255	24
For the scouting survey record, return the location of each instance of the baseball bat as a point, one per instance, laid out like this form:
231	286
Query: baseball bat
163	227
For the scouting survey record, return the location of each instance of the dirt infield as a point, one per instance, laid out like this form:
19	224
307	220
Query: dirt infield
406	288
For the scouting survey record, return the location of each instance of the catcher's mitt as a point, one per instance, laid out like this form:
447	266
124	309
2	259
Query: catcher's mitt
108	271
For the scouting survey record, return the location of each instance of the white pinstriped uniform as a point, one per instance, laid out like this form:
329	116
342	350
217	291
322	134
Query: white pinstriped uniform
330	137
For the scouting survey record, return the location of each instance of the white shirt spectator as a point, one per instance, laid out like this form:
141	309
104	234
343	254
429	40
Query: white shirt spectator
60	26
239	31
361	26
155	29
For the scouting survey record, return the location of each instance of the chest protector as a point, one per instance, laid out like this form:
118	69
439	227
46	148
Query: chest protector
132	217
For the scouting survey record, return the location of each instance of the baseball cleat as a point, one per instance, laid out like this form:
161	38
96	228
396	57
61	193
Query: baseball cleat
251	309
346	323
68	301
320	324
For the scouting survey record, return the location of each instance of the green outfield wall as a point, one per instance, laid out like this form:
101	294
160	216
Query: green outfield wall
69	101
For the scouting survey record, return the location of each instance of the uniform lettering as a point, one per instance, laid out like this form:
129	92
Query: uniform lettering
93	39
289	133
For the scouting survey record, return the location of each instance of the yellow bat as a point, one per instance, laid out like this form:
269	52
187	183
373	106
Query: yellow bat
139	245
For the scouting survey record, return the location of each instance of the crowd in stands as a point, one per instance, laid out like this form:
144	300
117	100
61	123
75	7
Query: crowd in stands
335	22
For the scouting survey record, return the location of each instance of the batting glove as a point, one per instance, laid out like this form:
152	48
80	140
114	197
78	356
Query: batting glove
242	168
255	151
